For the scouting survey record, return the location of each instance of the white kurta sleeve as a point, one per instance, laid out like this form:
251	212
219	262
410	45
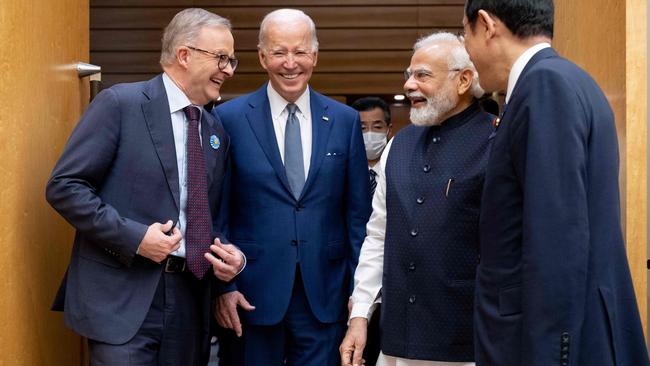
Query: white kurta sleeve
369	272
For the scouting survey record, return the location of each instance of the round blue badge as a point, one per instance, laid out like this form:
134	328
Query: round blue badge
215	142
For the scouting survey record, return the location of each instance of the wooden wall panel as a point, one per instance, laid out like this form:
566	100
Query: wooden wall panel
277	3
364	45
42	98
324	17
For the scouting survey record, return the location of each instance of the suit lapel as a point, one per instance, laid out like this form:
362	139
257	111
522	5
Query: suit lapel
158	119
321	125
261	122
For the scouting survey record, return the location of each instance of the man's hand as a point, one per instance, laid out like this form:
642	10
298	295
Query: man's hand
351	349
226	310
229	262
156	244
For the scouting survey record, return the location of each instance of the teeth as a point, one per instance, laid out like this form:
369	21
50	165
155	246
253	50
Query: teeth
289	76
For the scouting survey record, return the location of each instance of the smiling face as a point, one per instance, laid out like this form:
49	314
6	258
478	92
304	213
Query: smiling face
202	79
429	87
288	56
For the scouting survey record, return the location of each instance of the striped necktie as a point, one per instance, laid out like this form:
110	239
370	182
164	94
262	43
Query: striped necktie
373	180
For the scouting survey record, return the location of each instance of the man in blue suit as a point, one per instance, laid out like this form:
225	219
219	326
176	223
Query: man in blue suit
298	206
141	179
553	284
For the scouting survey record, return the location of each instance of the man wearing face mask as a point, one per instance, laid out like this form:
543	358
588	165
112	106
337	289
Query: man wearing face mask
420	255
375	125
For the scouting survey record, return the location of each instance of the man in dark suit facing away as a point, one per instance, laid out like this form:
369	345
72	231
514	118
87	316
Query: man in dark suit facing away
299	205
553	283
140	179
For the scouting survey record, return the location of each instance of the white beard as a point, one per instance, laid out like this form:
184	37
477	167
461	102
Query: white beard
437	106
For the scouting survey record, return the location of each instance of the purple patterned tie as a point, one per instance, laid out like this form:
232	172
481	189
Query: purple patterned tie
197	233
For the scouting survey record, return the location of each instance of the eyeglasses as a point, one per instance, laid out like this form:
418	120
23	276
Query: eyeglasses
422	75
298	55
223	60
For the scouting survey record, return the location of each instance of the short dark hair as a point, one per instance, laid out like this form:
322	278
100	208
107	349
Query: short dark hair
369	103
524	18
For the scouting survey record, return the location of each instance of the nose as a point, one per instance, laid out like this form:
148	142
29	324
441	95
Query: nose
228	71
410	85
289	61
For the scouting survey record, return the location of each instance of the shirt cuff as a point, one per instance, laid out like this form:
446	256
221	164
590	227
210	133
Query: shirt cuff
243	265
361	310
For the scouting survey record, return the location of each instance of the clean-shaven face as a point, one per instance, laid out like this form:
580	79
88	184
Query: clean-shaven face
204	78
288	57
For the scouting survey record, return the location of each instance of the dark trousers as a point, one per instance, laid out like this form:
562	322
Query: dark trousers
173	332
373	341
298	340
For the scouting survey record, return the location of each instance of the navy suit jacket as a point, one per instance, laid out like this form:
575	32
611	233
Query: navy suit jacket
118	175
324	228
553	283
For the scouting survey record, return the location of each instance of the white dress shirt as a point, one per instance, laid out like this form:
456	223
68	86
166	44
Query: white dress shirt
369	272
177	101
520	64
280	114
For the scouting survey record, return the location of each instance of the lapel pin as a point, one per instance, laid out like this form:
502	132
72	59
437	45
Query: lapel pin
215	142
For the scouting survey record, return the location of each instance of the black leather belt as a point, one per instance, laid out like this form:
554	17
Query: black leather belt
174	264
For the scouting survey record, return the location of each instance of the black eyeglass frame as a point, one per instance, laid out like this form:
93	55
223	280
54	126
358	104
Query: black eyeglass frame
222	60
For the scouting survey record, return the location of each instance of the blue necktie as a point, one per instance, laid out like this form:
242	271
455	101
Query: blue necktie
293	160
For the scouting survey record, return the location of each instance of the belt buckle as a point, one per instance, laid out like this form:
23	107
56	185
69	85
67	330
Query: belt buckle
171	265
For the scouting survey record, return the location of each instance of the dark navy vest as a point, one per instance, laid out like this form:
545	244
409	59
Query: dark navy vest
434	180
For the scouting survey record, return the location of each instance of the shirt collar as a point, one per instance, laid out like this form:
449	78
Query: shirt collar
520	64
176	97
279	104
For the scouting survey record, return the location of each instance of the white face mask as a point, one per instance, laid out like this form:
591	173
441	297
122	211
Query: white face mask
375	143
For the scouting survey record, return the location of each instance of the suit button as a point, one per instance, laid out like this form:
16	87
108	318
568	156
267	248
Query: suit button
294	243
436	139
298	208
411	266
420	200
414	233
426	168
412	299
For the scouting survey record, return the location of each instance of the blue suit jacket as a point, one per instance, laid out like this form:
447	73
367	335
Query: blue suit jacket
325	227
118	175
553	284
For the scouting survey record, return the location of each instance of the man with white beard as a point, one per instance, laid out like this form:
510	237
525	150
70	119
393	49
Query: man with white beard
420	255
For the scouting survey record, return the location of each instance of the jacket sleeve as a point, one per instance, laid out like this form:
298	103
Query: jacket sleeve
358	198
549	142
73	187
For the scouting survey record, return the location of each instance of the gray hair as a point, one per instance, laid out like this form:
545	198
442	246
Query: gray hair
185	28
281	15
458	57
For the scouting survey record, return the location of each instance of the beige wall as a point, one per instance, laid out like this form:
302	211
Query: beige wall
40	104
608	39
